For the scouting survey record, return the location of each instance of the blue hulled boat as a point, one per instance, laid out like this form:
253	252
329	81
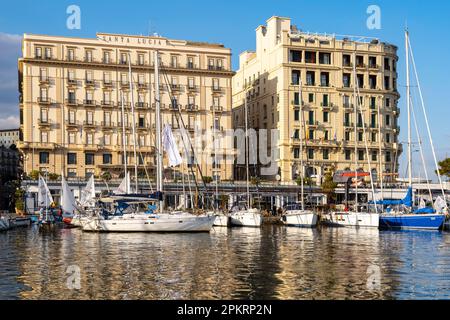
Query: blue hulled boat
406	218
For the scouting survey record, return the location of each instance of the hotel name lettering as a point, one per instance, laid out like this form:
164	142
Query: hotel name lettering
156	42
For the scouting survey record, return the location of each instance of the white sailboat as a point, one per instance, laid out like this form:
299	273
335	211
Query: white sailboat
296	215
134	218
246	217
356	218
45	200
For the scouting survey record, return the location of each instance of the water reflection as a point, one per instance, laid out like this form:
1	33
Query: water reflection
243	263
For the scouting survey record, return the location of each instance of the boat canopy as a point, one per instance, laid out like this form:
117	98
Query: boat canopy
407	201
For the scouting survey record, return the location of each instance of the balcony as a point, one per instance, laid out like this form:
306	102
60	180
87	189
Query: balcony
141	105
374	66
72	102
349	125
72	82
176	87
217	89
89	83
44	100
120	125
44	122
141	128
107	104
107	83
89	103
72	124
44	80
90	124
327	106
349	107
142	86
107	125
313	124
217	108
192	88
191	107
90	147
191	65
125	84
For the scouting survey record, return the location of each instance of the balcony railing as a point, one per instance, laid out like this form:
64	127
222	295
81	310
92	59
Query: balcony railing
90	123
191	107
44	122
89	83
72	82
44	80
72	123
44	100
107	83
217	89
89	103
192	88
141	105
176	87
107	104
217	108
107	124
71	102
142	86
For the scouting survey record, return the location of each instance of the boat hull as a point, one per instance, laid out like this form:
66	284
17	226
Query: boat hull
221	220
21	222
4	224
302	219
246	218
166	223
412	221
352	219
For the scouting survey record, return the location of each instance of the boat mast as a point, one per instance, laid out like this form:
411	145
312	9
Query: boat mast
216	204
408	103
247	150
355	101
134	124
380	158
124	143
159	159
302	167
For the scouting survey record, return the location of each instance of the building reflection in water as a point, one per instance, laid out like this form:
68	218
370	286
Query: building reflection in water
243	263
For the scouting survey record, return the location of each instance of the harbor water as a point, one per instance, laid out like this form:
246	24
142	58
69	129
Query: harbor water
269	263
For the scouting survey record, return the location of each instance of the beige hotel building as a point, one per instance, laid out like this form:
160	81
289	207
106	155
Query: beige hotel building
70	100
269	77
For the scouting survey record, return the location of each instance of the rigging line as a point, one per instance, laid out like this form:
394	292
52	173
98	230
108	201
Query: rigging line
426	121
367	148
421	149
180	119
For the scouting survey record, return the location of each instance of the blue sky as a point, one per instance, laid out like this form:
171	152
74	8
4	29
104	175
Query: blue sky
233	23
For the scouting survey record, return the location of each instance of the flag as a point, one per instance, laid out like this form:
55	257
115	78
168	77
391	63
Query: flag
171	147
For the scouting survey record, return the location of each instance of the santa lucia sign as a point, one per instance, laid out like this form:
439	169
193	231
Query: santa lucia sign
132	40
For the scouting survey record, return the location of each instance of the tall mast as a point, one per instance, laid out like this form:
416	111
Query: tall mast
302	167
380	158
124	143
134	125
159	159
216	204
247	149
408	103
355	100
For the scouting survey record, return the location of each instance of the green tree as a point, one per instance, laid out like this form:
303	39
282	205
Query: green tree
34	175
444	168
207	180
329	186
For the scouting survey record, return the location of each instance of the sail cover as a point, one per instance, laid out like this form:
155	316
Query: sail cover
45	198
407	201
68	203
171	147
88	193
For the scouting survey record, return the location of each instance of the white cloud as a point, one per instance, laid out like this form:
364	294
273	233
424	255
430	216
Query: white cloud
9	123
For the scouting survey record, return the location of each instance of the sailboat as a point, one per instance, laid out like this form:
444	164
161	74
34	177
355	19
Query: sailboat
45	200
137	213
295	214
356	218
247	216
402	214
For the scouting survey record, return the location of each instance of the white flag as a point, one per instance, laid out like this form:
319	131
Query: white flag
45	198
171	147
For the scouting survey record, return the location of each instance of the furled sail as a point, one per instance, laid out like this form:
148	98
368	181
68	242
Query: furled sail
171	147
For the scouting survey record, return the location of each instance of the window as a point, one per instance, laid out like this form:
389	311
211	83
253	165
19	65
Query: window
296	134
360	137
89	77
107	118
174	61
44	137
373	82
88	55
311	134
216	101
71	76
387	64
310	78
348	155
360	79
107	158
72	138
324	79
215	83
295	56
43	76
360	61
38	53
373	120
346	79
311	98
296	115
296	98
388	156
106	57
71	173
190	63
387	83
347	120
89	139
107	139
388	102
374	137
219	64
191	83
44	158
311	154
372	62
141	122
347	136
311	117
388	120
374	156
326	154
71	158
48	53
388	138
361	155
123	58
310	57
325	100
346	101
211	64
324	58
295	77
72	117
191	101
44	115
326	116
89	159
346	60
44	94
373	102
296	153
141	60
